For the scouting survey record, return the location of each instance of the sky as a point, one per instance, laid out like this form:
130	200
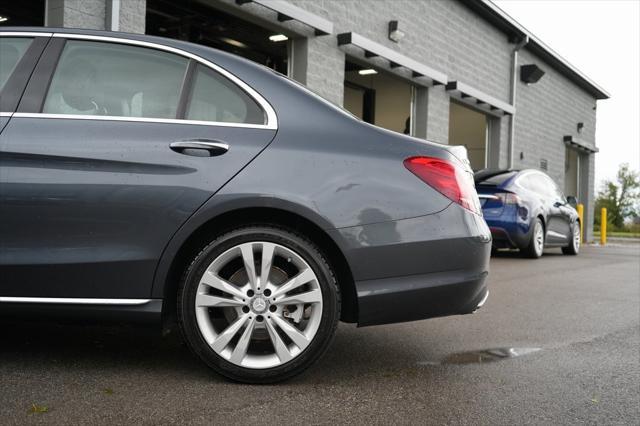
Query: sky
602	39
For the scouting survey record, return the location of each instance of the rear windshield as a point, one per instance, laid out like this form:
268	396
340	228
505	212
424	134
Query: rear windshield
495	180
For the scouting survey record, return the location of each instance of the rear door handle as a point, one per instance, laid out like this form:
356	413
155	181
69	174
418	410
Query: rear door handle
200	147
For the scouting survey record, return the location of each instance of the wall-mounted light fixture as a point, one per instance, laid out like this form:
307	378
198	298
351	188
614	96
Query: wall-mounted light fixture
367	71
395	34
278	37
530	73
580	127
3	19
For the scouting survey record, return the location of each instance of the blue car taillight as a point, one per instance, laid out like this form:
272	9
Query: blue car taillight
508	198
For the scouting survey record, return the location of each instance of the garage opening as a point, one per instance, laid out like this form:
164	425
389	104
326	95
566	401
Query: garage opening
198	22
572	172
469	128
378	98
22	13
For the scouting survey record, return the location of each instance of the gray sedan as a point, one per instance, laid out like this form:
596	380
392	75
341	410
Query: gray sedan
147	179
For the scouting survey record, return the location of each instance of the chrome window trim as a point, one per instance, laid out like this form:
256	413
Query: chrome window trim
74	301
23	34
272	119
6	114
138	120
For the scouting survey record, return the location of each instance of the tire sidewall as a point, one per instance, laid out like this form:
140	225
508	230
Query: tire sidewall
191	282
537	227
572	248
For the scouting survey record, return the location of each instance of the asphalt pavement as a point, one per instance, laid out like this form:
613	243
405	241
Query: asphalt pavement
558	342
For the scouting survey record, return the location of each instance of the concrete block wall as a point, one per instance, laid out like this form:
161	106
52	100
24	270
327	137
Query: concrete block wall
93	14
547	111
478	55
76	14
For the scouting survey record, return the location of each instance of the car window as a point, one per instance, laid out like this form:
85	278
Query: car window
215	98
495	179
537	183
554	191
95	78
12	49
527	182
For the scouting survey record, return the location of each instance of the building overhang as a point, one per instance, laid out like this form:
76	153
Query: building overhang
373	49
580	144
480	100
287	11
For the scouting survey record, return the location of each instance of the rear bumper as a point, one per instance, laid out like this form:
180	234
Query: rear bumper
510	229
424	267
419	297
509	235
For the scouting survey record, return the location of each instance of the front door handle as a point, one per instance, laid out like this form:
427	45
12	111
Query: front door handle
200	147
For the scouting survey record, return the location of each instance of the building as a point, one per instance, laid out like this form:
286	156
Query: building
452	71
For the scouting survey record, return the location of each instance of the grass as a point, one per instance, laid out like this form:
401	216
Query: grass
38	409
618	234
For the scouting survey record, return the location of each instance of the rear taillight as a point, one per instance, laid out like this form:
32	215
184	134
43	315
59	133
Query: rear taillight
508	198
446	177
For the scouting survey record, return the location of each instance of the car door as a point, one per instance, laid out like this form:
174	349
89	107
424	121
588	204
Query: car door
567	214
114	145
557	226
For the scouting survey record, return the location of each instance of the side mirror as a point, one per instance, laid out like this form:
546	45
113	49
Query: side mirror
572	201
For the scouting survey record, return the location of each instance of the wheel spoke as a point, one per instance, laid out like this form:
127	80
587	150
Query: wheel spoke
214	281
240	350
294	334
313	296
278	344
249	264
267	260
295	282
210	301
225	337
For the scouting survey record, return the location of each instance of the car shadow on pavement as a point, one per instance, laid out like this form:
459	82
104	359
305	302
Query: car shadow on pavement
94	346
515	254
91	349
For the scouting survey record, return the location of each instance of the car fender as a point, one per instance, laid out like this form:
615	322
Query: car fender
223	203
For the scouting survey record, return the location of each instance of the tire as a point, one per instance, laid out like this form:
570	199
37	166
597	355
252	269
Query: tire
251	332
536	244
574	246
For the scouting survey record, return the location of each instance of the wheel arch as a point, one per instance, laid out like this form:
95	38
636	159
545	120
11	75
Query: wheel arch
166	284
544	222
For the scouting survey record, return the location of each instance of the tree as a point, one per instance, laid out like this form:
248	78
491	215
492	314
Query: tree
619	197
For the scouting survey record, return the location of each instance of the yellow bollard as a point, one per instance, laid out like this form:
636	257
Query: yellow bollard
603	226
580	208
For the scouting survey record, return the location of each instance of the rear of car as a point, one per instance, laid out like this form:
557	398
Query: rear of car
501	207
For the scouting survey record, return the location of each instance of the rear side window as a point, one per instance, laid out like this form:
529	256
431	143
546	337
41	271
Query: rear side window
12	49
95	78
538	183
214	98
497	180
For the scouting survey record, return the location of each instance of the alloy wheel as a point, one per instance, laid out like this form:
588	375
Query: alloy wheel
576	237
538	238
258	305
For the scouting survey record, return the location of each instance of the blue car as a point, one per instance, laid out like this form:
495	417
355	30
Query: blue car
526	210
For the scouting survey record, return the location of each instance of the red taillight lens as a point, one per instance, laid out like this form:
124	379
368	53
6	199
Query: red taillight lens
508	198
447	178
